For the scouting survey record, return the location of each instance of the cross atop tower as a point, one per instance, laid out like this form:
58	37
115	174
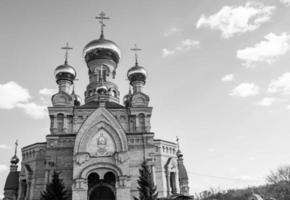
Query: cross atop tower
136	49
66	48
102	16
177	141
16	147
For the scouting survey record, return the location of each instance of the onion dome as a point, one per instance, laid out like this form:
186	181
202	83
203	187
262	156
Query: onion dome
137	73
14	160
65	72
102	49
101	89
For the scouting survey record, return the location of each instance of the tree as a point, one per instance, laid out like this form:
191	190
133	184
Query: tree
282	174
146	187
55	190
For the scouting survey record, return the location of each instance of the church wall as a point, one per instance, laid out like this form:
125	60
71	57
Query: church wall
136	154
32	169
60	158
165	152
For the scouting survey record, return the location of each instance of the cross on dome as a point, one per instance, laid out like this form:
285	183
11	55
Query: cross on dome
136	49
102	16
16	147
66	48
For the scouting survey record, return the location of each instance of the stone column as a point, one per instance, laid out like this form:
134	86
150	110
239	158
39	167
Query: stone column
80	189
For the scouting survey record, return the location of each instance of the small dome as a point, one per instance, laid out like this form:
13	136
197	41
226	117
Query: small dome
65	71
14	160
137	73
103	44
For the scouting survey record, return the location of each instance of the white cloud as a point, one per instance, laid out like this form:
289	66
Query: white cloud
171	31
11	93
47	91
211	150
232	20
3	168
228	78
34	110
4	146
245	90
166	52
185	45
281	84
267	101
286	2
267	50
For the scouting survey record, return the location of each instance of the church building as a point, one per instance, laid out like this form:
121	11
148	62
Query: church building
98	146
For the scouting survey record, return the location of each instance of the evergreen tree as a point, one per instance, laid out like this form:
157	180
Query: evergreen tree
146	187
55	190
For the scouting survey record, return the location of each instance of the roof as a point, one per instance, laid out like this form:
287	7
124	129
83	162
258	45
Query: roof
182	173
95	104
12	181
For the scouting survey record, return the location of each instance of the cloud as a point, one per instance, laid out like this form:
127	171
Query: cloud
245	90
34	110
267	101
267	50
171	31
47	91
3	168
232	20
286	2
12	95
281	84
166	52
228	78
187	44
4	146
184	45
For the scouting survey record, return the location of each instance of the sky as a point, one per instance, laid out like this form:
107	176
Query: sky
219	76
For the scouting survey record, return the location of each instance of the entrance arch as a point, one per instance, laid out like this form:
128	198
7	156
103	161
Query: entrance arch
102	192
102	189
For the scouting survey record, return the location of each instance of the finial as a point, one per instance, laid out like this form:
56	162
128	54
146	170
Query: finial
66	48
136	49
16	147
101	18
177	141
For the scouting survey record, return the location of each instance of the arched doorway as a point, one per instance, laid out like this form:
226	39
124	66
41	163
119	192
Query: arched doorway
102	193
102	189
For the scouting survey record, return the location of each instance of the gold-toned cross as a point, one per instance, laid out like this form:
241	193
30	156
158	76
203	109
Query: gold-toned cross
66	48
177	141
16	146
136	49
102	16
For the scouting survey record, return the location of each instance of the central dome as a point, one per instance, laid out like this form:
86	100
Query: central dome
99	45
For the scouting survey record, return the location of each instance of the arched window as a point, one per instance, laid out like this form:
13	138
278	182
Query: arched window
60	122
93	179
110	178
141	118
173	182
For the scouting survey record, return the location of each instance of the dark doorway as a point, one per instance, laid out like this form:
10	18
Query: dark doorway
102	189
102	193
